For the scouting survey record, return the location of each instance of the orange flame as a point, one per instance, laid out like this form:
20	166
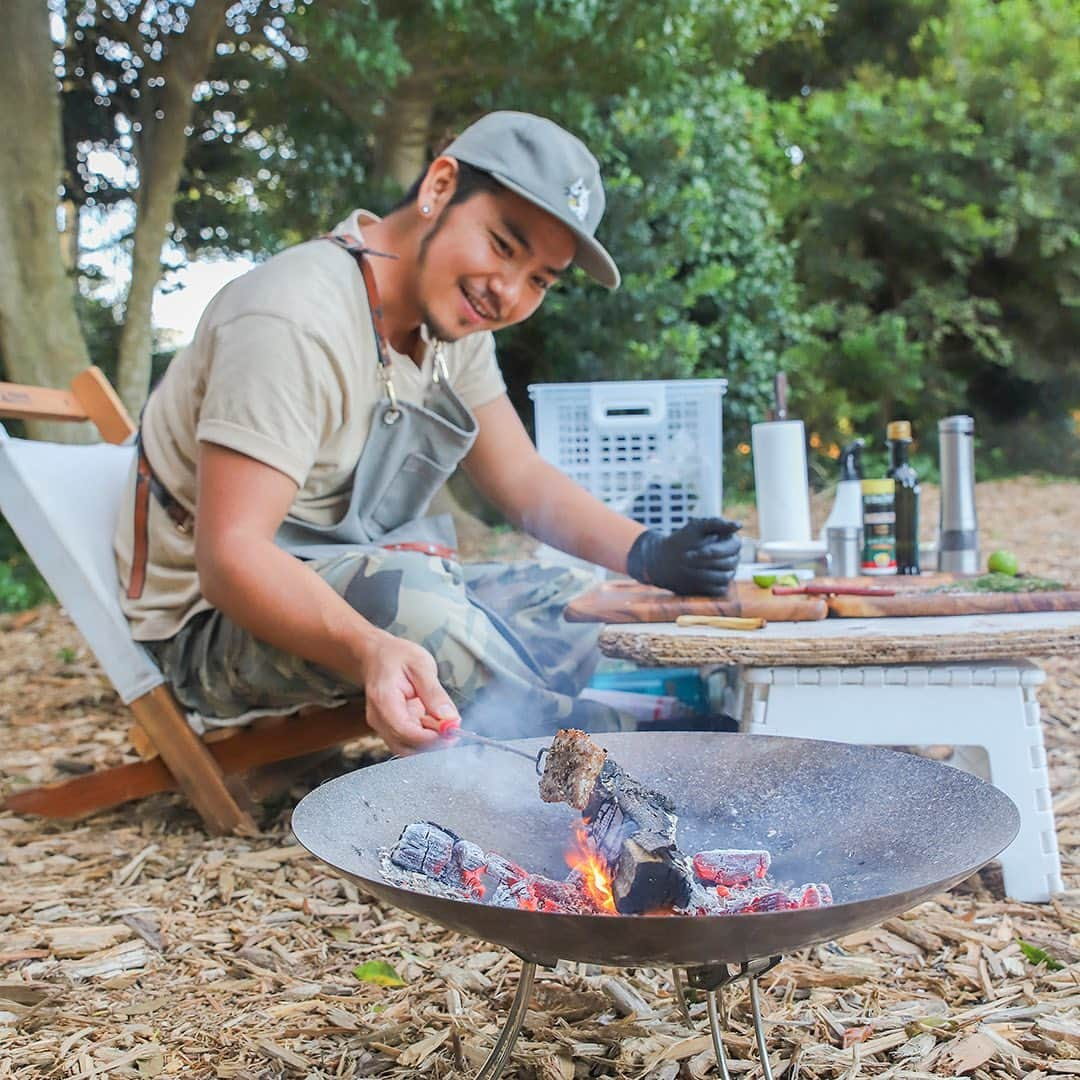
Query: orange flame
595	878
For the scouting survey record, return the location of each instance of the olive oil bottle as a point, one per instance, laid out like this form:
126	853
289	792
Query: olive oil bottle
898	436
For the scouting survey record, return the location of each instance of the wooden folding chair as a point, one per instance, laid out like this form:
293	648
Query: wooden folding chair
62	502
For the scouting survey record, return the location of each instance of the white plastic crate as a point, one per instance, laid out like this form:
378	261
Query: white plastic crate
649	449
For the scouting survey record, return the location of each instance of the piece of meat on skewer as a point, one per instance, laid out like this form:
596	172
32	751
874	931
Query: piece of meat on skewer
571	769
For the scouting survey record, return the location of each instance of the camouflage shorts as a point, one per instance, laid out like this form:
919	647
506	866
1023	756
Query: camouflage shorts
505	655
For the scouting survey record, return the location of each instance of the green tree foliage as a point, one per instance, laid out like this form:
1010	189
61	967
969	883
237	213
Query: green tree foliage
346	102
937	220
708	284
297	132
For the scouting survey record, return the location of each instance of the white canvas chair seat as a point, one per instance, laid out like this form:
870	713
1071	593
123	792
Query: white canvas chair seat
62	501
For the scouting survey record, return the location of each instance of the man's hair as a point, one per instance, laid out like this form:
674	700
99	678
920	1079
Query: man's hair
470	181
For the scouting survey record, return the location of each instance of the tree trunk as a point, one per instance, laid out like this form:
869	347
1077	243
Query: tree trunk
161	153
406	129
40	339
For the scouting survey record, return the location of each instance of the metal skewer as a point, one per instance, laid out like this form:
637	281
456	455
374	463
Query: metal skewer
450	729
483	740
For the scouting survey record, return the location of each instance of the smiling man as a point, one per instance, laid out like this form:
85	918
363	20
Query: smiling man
274	550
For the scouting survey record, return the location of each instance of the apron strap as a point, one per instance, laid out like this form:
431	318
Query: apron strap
147	484
359	253
141	541
357	250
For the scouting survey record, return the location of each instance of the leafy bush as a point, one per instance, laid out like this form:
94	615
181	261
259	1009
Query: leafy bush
21	586
936	219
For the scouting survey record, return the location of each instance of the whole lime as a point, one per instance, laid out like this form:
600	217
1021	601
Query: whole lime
1003	562
764	581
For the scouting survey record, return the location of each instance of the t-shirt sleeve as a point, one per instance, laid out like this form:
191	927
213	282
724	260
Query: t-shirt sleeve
272	393
479	379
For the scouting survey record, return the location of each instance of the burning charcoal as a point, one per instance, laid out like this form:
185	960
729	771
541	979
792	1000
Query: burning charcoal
539	893
469	856
732	868
772	901
471	863
704	901
424	848
502	870
812	895
571	768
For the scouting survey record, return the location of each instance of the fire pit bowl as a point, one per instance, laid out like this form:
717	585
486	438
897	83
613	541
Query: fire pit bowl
884	829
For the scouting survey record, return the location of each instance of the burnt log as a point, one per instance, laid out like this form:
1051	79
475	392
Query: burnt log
631	828
424	848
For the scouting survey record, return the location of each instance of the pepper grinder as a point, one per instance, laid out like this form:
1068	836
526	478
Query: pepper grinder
958	531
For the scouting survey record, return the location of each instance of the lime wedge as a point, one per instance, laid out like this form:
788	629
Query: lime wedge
765	581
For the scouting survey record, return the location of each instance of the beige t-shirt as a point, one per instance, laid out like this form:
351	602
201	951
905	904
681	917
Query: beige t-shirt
283	368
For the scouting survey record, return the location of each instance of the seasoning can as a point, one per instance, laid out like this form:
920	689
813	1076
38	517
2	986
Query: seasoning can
879	527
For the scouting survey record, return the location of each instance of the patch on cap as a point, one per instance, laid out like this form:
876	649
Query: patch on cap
577	198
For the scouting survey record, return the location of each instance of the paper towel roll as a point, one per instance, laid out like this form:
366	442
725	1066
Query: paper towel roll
780	484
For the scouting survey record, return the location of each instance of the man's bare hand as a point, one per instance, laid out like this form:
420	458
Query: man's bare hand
401	686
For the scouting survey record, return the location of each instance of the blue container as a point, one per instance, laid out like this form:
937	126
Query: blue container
682	683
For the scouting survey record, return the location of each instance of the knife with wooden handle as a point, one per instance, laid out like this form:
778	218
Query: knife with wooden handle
721	622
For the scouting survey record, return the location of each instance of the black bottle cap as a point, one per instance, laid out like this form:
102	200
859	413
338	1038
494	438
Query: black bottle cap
850	466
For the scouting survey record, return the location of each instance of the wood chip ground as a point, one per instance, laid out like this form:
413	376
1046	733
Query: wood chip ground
132	945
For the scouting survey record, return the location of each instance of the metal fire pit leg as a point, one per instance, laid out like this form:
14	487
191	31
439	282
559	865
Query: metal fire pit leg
498	1057
680	993
712	980
713	999
759	1029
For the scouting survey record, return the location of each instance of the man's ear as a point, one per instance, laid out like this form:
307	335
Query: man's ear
438	187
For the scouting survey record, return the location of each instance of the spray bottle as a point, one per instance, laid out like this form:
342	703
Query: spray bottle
847	507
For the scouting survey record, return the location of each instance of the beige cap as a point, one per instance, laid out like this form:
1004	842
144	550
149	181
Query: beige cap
899	430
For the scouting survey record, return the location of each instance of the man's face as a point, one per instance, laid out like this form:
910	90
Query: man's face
488	262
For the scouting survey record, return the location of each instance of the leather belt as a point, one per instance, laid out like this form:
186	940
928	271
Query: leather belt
147	484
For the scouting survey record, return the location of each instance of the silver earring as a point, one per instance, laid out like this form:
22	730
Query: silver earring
425	209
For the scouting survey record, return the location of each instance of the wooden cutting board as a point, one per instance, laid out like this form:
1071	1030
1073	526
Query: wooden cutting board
629	602
913	601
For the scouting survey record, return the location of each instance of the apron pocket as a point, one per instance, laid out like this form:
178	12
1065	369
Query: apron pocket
408	494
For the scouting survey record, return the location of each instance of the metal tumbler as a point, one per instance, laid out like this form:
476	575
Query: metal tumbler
958	531
845	550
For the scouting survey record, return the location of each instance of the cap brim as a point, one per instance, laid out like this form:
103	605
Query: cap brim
591	255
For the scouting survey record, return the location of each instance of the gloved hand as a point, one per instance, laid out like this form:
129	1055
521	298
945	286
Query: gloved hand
697	560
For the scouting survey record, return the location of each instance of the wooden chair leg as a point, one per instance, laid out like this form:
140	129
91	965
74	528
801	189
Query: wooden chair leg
197	774
247	749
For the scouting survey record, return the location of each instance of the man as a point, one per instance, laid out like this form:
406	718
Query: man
274	550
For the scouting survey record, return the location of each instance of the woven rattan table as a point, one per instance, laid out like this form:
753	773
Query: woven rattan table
963	681
849	641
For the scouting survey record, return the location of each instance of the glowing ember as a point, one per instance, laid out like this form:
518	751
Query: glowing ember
595	880
473	880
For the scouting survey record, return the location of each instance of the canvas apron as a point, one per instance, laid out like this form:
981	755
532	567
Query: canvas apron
409	454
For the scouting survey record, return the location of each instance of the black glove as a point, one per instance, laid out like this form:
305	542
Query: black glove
697	560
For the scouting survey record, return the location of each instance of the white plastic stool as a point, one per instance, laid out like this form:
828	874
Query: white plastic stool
991	704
